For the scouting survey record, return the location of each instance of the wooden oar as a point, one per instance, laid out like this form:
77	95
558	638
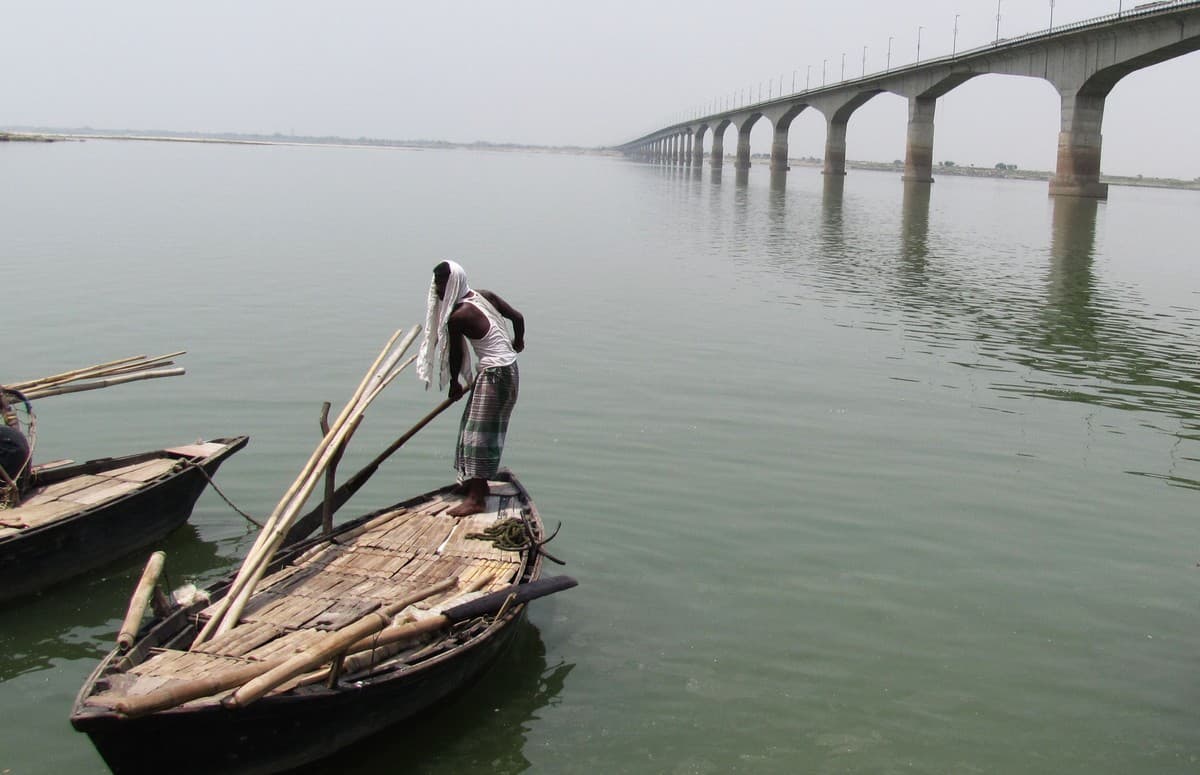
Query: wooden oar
303	527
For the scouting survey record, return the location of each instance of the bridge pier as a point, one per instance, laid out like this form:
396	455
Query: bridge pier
835	147
718	150
698	148
687	150
743	147
1078	168
779	148
918	151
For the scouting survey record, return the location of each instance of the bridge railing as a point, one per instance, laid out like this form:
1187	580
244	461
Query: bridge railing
1137	11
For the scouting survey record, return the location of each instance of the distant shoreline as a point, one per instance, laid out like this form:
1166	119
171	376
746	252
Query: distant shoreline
58	135
54	135
1009	173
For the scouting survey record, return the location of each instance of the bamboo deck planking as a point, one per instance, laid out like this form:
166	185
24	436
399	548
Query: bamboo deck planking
334	584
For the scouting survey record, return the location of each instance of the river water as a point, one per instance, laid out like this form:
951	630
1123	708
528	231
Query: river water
855	477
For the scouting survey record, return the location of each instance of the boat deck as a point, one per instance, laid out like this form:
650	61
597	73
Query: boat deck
394	554
44	505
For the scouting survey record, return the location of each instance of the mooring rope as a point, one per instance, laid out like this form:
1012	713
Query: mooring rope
516	535
224	497
508	535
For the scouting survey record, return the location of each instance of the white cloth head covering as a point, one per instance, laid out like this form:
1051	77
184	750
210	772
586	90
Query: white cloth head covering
434	350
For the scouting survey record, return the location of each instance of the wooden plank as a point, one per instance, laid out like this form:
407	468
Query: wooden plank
288	645
57	490
503	488
110	490
50	464
340	614
37	514
151	469
290	611
241	639
366	562
198	449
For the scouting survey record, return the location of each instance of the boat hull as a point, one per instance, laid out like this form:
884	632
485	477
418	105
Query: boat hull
96	536
280	733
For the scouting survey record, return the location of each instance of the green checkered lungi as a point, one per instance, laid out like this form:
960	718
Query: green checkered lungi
485	423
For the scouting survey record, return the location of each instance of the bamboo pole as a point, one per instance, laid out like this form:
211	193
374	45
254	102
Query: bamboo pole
58	390
382	372
111	367
139	601
66	376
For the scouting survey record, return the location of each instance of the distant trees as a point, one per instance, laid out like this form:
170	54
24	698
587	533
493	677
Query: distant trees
1003	166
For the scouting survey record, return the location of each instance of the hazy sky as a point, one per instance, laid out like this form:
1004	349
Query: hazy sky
557	72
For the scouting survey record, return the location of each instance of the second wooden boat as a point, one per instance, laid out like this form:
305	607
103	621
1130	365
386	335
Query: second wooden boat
79	517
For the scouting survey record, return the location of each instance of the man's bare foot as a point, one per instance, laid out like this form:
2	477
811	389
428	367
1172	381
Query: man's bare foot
467	508
476	491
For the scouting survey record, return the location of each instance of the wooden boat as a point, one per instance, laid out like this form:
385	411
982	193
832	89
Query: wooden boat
312	595
77	517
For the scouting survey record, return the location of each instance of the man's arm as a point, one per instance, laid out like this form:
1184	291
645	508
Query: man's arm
456	352
510	312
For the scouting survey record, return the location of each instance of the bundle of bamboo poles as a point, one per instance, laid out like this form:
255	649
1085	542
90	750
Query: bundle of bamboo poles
381	373
131	369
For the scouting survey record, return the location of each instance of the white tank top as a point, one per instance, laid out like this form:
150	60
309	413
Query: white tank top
494	348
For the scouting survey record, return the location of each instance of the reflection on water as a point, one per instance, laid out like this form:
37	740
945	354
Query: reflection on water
1034	317
79	618
778	182
914	227
1104	348
833	190
487	722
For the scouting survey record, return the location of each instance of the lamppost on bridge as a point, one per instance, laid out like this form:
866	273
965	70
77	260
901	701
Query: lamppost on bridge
823	63
843	66
919	44
864	75
794	81
997	21
888	66
1051	15
954	45
807	76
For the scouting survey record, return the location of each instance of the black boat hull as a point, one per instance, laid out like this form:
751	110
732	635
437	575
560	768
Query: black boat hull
280	733
95	537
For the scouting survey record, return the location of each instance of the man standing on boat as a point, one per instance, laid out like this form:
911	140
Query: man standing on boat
454	311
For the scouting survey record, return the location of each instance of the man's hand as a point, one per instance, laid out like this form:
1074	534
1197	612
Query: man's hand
518	344
456	390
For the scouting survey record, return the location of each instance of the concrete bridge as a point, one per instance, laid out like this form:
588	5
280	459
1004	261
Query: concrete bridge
1082	61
